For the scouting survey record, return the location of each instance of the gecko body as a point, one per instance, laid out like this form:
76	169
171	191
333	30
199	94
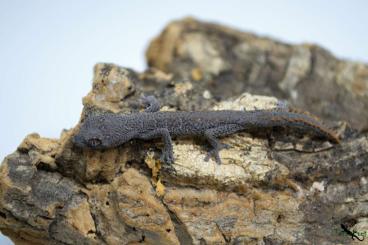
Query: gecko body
111	130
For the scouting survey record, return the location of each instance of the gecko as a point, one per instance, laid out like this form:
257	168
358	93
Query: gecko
109	130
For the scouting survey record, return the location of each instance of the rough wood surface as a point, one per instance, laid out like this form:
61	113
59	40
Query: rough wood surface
273	187
231	62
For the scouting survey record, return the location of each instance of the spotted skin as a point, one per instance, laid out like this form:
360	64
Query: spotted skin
111	130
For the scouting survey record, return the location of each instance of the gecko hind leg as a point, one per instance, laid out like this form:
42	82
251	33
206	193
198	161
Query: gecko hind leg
167	153
151	103
211	136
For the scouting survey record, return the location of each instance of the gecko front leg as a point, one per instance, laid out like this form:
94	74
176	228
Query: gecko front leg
211	136
151	103
167	152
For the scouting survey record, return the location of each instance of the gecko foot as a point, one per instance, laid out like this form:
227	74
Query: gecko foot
145	100
215	153
167	157
150	102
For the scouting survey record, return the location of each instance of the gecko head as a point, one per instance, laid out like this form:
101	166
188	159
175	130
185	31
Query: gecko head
95	133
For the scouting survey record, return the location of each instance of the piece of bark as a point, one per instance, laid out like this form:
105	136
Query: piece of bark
231	62
284	189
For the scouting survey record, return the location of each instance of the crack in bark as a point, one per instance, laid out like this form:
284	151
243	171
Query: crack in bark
180	229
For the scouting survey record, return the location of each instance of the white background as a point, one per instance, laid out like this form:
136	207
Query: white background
48	48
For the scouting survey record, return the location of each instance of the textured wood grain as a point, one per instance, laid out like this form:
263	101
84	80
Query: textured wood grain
274	187
231	62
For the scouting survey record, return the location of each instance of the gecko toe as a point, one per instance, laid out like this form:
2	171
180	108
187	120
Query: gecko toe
217	158
207	157
167	158
214	153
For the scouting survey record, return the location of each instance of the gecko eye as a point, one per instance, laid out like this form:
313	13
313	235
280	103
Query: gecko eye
94	142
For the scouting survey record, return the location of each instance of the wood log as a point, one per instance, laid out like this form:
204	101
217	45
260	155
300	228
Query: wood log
230	62
274	187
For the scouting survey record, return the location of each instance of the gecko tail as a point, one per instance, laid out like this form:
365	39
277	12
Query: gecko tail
315	124
291	118
311	120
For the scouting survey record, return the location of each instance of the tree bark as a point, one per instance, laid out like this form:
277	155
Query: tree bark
276	187
231	62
